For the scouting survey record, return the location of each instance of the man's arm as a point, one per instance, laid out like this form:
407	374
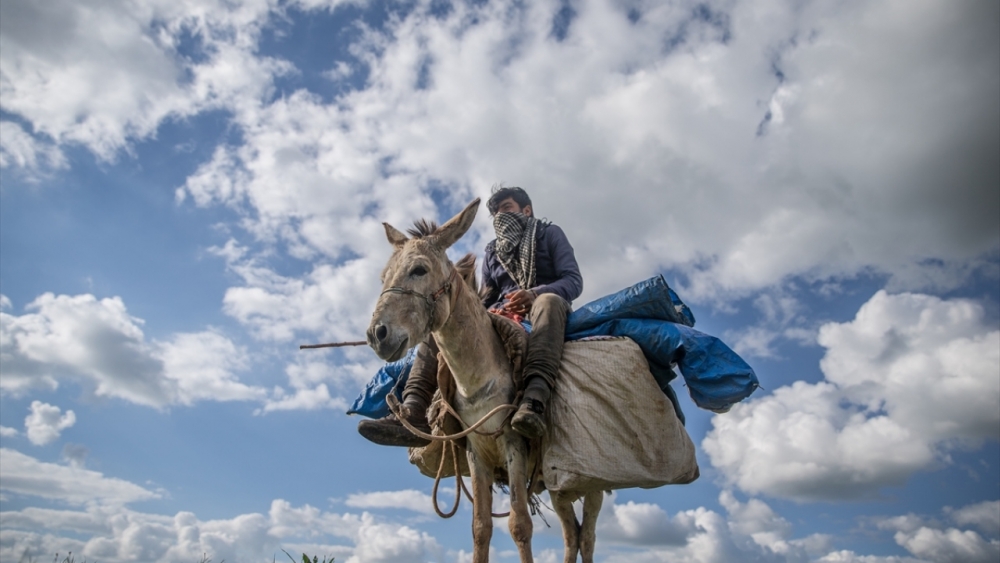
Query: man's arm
489	289
569	284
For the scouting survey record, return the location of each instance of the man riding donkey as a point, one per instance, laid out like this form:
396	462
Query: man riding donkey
530	272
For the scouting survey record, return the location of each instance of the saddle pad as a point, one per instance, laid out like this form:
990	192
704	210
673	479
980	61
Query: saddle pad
610	426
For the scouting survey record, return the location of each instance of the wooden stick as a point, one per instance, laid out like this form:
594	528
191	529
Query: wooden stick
333	345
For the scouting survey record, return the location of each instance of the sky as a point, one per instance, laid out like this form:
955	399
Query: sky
189	189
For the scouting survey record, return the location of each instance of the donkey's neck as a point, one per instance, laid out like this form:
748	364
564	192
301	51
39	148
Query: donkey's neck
471	347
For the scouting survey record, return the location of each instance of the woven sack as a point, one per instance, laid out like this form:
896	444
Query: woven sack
610	425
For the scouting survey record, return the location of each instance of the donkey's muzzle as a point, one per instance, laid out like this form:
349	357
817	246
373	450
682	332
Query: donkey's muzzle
388	344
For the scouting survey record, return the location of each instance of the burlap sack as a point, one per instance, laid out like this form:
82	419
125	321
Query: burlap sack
610	426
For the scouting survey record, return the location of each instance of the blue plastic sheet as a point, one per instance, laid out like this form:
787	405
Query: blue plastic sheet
652	315
371	402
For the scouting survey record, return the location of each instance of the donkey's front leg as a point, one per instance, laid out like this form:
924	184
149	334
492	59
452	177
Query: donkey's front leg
482	508
515	449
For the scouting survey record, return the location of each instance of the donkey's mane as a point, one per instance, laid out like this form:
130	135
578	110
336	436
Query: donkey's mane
466	267
422	228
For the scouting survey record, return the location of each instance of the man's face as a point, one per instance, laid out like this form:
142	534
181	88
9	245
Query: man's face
510	206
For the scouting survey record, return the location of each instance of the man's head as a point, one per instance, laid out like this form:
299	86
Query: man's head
509	200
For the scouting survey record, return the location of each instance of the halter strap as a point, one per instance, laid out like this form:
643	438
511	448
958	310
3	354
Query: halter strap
430	300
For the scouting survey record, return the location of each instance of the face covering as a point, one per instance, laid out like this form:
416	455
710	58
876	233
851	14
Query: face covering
515	246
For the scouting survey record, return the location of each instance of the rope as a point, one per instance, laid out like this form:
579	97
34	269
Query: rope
393	403
451	446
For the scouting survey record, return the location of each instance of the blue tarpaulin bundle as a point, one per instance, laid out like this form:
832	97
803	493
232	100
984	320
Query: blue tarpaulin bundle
652	315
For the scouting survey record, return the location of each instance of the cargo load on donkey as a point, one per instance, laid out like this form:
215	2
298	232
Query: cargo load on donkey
488	362
655	334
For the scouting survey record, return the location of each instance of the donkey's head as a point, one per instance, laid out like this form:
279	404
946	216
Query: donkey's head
417	284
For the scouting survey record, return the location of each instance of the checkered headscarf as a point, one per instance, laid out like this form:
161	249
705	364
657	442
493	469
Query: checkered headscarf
515	246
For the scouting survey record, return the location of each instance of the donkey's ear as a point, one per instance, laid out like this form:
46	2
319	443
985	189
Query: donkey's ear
453	230
395	237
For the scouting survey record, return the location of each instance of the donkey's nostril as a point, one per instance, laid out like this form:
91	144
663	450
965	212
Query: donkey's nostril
381	332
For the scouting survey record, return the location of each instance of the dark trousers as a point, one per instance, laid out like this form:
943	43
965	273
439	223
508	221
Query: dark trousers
545	346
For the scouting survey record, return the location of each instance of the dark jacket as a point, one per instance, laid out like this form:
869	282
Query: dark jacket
556	270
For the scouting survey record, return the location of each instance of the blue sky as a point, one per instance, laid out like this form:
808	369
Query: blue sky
192	189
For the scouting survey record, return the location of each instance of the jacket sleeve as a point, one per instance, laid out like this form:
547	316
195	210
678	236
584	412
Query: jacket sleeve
569	282
489	288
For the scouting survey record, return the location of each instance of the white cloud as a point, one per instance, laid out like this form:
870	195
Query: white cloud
8	432
46	422
408	499
933	542
19	149
847	556
643	524
910	377
659	146
105	529
99	342
25	475
984	515
104	72
392	543
200	366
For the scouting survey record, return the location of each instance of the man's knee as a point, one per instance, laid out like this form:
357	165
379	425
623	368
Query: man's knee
549	304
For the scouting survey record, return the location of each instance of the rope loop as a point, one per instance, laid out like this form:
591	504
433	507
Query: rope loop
451	447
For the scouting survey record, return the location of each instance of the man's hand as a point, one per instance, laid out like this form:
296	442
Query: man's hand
520	301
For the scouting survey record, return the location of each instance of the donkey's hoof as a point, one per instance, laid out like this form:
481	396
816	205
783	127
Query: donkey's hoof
527	422
389	431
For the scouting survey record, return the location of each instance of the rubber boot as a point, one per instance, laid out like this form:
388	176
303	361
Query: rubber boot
529	420
389	431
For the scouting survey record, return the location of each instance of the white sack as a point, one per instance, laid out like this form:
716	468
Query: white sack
611	427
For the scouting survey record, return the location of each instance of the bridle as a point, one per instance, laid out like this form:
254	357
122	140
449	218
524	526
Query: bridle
429	300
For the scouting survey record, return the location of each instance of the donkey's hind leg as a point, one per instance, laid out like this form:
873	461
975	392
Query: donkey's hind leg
592	502
562	503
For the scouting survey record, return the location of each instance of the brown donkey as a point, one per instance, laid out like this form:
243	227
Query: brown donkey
422	293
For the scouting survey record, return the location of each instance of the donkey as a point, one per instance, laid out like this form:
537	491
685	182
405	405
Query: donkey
423	294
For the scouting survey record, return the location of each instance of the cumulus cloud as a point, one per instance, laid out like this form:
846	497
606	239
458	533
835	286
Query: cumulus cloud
749	530
115	533
46	422
931	541
731	142
25	475
643	524
21	150
167	59
409	499
984	515
910	377
735	143
96	340
8	432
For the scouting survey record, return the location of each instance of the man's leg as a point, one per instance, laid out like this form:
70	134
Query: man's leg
541	367
417	395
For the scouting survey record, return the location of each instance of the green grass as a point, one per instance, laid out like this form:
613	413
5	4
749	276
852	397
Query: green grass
305	558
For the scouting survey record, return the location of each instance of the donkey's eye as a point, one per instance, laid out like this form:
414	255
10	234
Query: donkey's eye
418	271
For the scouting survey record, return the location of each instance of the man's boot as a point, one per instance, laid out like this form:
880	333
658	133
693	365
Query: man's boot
417	395
529	420
389	431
